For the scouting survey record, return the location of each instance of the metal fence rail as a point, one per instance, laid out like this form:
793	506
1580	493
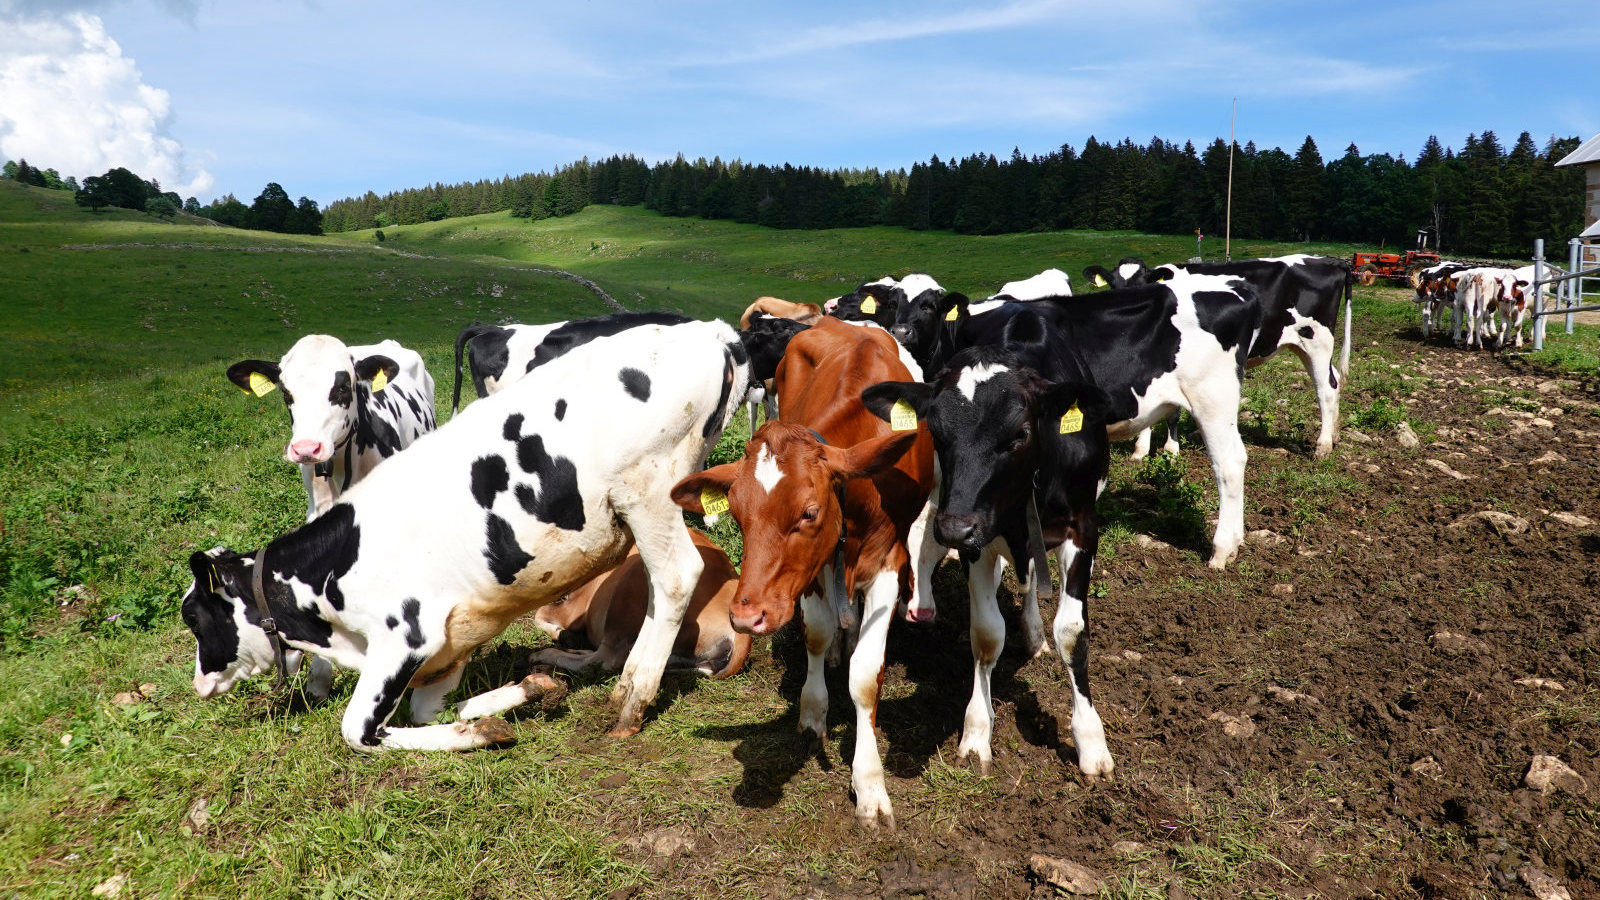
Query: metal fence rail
1568	287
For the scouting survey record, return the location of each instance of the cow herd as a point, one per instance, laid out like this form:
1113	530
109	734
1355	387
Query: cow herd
1484	302
904	423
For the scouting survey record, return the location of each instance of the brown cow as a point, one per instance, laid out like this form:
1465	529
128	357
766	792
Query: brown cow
608	612
830	486
804	313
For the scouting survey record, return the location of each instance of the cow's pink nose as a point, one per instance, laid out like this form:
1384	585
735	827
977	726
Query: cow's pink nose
306	451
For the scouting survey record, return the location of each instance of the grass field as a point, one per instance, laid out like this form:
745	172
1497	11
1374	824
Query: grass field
123	450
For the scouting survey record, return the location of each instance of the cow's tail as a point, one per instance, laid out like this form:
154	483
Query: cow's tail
1344	352
467	334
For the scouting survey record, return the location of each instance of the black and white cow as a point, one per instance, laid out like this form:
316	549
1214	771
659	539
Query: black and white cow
765	337
499	355
1178	344
928	325
350	408
1007	435
527	494
1300	296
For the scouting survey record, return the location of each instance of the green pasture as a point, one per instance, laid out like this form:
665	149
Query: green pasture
123	450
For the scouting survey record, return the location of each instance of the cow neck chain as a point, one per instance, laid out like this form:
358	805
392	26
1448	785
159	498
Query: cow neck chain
325	469
268	623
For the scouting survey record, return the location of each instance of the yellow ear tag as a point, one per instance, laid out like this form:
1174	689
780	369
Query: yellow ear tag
713	501
1072	420
261	385
869	305
952	315
902	417
379	381
1099	282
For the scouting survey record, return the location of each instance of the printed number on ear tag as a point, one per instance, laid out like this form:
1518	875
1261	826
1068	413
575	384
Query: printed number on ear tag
951	316
713	501
1072	420
261	385
379	381
902	417
869	305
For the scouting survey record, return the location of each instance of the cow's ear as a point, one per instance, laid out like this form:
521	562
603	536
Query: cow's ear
869	457
706	492
378	369
881	399
204	568
953	307
1097	275
1071	404
254	376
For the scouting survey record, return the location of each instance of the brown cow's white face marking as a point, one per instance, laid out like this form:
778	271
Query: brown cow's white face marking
768	472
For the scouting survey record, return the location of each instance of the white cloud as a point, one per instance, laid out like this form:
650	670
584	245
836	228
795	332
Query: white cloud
70	100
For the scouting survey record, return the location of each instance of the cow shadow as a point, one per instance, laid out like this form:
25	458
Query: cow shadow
936	662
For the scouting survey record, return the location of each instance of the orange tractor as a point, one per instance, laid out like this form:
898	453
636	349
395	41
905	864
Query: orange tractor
1399	268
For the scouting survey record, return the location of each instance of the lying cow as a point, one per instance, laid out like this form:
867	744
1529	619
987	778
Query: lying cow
350	408
526	495
826	499
499	355
1015	445
598	623
1300	298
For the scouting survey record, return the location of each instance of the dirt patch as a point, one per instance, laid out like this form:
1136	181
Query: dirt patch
1364	733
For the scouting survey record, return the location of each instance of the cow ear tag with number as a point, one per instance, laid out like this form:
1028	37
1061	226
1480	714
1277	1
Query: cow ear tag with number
952	315
1072	420
869	305
261	385
902	416
1099	281
713	501
379	381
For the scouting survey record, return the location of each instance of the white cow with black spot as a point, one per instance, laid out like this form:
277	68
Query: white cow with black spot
525	495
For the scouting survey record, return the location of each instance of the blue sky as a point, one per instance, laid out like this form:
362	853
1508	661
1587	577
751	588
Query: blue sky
331	98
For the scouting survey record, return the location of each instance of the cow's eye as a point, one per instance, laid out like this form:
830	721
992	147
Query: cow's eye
1021	438
810	513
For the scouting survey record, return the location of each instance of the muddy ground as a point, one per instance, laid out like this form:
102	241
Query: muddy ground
1350	710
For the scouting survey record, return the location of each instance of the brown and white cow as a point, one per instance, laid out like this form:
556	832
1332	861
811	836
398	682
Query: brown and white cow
826	499
606	614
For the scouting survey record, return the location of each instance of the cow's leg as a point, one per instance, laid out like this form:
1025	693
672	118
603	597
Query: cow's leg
988	636
500	699
567	660
1171	446
1072	619
1032	621
1141	444
822	630
926	551
1316	354
428	699
384	676
674	567
319	681
866	677
1215	408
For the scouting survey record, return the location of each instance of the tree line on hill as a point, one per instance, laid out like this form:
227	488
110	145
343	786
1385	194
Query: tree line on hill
1482	199
272	209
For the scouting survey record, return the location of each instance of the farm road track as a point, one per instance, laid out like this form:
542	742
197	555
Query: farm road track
1343	713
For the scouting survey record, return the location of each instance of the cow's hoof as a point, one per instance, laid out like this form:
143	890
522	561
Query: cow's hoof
876	818
493	731
624	729
811	741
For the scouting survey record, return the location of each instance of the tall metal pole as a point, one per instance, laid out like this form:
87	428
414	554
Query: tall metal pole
1538	294
1570	288
1227	226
